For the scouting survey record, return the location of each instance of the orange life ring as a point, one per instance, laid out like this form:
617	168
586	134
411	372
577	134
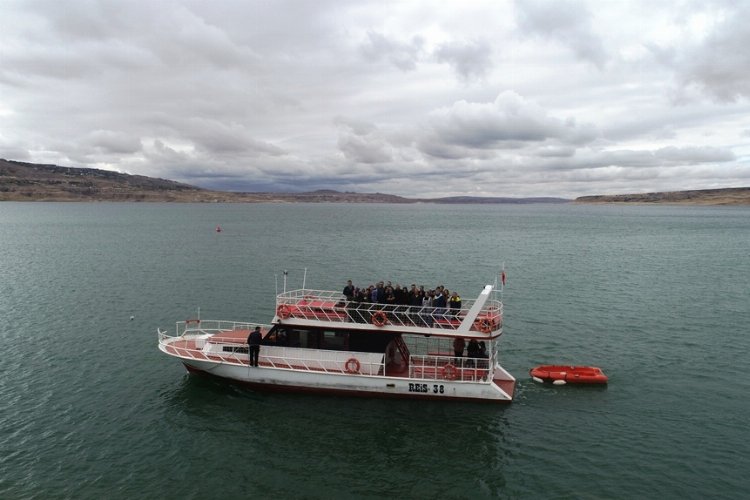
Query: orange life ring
190	321
352	365
283	311
484	325
379	319
449	372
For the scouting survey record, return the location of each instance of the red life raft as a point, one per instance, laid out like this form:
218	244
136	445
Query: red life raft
560	375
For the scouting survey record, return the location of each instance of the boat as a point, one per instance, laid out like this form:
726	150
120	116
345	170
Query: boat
561	375
320	342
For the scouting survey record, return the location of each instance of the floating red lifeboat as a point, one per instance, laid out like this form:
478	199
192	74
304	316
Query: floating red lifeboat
560	375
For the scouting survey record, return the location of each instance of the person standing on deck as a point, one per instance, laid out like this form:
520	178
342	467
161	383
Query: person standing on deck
472	352
454	303
439	303
482	355
253	345
380	293
458	349
349	290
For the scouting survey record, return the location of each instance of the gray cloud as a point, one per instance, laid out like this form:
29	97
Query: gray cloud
215	137
721	64
658	158
469	60
362	149
403	55
509	122
564	21
401	97
108	141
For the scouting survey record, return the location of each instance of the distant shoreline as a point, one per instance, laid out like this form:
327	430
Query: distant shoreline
724	196
23	182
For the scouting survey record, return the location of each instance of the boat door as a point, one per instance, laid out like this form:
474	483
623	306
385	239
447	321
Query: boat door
396	357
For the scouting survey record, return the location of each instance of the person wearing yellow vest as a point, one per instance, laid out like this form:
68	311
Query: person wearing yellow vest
454	304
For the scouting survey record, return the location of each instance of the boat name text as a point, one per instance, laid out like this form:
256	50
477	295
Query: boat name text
436	388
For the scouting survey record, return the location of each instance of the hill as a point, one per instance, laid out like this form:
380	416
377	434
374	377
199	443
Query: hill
727	196
21	181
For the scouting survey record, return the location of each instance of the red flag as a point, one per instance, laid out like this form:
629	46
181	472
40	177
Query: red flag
502	277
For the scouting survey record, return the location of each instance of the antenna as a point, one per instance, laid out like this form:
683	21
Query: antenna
285	274
304	279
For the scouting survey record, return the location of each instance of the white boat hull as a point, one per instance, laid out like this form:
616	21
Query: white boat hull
319	342
290	380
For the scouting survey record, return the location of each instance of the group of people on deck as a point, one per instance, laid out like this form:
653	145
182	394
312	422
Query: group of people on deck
386	293
475	350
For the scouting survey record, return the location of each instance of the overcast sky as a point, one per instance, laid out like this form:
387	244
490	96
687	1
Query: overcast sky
498	98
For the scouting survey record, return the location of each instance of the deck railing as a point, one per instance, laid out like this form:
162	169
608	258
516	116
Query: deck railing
311	360
319	360
450	368
332	306
421	367
199	327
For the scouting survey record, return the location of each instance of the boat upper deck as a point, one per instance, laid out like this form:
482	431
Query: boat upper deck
482	317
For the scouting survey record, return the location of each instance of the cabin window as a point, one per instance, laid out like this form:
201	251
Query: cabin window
335	341
278	337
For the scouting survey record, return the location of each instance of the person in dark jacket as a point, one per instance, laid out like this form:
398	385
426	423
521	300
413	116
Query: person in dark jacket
472	352
483	356
253	345
458	350
380	293
349	290
439	303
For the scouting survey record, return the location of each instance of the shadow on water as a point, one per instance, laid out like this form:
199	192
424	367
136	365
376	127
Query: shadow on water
363	446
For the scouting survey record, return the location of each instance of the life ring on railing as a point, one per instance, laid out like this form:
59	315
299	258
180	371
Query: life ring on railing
379	319
192	321
449	372
484	325
283	311
352	365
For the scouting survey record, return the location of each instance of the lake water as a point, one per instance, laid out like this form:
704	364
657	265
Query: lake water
658	296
